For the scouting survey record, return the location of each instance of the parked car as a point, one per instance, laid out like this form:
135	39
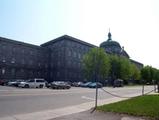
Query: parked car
77	84
5	82
33	83
14	83
86	84
2	82
60	85
118	83
94	84
17	82
11	82
48	85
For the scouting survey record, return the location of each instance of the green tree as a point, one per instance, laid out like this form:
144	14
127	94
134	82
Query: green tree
146	74
156	76
115	67
96	64
120	67
125	68
135	72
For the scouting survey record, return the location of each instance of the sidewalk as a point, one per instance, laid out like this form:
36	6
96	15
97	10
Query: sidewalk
87	115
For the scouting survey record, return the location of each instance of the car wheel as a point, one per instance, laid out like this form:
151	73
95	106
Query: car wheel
41	86
26	86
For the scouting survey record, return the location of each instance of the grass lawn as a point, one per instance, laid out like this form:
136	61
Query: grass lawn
147	105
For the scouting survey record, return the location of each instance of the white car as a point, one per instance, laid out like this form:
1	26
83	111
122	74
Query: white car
33	83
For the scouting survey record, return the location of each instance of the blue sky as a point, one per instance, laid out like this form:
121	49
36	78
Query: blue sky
133	23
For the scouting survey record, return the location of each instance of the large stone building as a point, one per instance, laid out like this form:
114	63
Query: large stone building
65	58
19	60
58	59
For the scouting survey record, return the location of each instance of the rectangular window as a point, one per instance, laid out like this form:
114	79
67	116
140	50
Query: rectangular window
58	74
23	51
22	70
79	55
13	71
13	60
31	52
3	60
31	62
46	66
3	71
23	62
79	65
39	64
4	47
74	54
69	63
13	49
58	63
69	53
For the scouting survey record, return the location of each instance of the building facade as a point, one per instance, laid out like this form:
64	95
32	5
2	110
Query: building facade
22	61
65	58
56	60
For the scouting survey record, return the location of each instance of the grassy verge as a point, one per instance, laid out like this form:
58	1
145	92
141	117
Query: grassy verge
140	106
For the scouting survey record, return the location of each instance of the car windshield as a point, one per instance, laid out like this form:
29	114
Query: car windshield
87	83
30	80
93	84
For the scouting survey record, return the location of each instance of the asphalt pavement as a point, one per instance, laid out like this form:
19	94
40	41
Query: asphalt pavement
43	104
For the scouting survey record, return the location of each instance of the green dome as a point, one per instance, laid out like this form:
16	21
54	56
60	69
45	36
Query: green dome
110	43
113	47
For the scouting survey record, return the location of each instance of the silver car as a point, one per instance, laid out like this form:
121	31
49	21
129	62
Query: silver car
33	83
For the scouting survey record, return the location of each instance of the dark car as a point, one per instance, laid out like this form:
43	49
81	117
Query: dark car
2	82
48	85
118	83
60	85
94	84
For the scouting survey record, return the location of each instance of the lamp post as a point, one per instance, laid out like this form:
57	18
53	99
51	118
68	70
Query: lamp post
96	75
96	98
143	87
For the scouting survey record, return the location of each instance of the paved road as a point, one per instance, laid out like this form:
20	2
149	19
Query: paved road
20	101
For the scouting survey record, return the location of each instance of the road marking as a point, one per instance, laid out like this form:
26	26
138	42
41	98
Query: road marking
87	98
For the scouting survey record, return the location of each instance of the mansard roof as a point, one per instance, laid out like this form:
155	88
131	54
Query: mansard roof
68	38
19	43
136	62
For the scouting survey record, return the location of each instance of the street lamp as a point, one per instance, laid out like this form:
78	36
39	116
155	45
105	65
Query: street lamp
96	76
